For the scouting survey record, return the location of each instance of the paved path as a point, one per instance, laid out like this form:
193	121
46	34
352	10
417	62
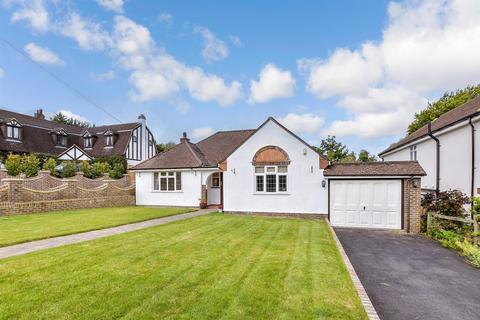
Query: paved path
27	247
412	277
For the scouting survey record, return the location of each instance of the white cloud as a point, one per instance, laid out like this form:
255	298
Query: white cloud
214	49
427	47
201	133
33	12
88	34
235	40
104	76
307	122
112	5
2	73
156	75
166	18
42	55
273	83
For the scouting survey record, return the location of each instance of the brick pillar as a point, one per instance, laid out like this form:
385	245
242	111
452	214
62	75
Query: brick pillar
14	189
411	205
71	192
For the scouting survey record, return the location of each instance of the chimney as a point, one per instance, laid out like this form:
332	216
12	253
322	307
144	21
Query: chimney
184	138
142	117
39	114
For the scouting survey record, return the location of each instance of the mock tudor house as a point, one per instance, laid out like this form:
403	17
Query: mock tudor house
448	149
271	170
20	133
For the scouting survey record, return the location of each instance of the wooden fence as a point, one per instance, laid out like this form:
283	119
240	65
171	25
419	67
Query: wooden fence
431	216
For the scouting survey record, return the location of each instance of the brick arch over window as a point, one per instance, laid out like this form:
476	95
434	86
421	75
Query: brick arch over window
271	155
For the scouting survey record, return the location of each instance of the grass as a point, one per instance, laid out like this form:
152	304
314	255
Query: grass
24	228
209	267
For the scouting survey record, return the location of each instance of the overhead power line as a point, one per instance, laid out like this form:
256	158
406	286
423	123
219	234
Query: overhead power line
60	80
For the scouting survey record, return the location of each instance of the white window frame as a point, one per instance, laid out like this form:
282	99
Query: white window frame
158	176
109	140
13	132
274	171
62	140
413	153
88	145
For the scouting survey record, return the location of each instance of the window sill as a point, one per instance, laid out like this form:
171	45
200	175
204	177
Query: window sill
13	140
271	193
159	191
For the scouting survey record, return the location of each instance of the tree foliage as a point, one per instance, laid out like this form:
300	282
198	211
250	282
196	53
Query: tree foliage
61	118
161	147
449	101
336	151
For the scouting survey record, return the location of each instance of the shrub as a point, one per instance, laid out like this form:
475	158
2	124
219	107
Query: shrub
99	169
69	169
112	161
449	203
450	239
13	164
86	168
30	165
117	171
50	165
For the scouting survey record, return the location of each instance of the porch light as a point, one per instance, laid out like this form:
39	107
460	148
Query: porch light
324	183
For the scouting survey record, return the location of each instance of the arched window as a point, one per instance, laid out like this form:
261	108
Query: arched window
271	170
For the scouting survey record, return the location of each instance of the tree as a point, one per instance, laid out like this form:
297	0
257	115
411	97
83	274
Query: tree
449	101
61	118
334	151
161	147
365	156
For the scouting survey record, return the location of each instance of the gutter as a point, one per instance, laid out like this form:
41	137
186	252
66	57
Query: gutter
472	186
437	173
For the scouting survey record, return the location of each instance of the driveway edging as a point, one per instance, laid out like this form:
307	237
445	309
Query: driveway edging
362	293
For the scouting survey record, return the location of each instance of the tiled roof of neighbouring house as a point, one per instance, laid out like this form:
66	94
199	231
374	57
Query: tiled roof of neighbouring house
206	153
380	168
453	116
36	136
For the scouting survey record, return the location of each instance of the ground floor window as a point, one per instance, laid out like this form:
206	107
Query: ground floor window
271	179
216	180
167	181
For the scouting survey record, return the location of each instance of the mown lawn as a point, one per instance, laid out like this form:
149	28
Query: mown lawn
24	228
208	267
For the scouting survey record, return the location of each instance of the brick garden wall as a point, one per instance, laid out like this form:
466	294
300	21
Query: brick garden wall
47	193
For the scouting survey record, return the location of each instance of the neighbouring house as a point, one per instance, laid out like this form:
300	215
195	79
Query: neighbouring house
270	170
448	149
20	133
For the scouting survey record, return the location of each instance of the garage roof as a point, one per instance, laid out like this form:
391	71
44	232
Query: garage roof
380	168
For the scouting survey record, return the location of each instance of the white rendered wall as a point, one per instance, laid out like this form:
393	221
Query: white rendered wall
455	158
189	196
305	193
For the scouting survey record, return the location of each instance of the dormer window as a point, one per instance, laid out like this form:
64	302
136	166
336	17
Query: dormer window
62	138
87	140
108	138
14	129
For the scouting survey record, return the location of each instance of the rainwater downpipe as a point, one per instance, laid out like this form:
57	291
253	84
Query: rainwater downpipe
437	174
472	186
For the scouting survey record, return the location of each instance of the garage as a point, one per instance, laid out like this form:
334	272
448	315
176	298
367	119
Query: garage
374	195
366	203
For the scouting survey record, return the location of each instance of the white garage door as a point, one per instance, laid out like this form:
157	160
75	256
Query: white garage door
366	203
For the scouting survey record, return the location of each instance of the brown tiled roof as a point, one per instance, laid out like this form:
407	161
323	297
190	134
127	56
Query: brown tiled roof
36	136
204	154
209	152
453	116
380	168
182	155
220	145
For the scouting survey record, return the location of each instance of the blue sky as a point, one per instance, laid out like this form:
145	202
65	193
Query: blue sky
355	69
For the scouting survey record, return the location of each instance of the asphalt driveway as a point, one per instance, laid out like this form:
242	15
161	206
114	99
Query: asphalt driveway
411	277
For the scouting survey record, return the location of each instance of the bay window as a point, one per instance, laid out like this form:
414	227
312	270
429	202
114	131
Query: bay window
167	181
271	179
